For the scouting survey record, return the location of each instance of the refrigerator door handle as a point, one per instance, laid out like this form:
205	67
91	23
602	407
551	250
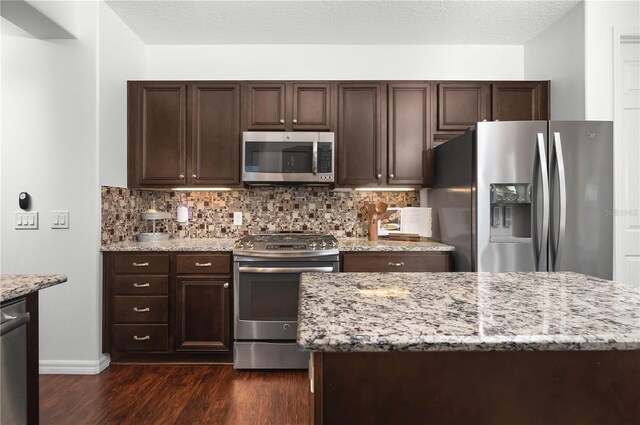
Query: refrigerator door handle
540	166
562	187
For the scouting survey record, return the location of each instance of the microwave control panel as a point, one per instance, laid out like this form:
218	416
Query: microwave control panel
325	157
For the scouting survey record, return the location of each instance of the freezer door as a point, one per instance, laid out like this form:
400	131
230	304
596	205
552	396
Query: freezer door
581	171
510	157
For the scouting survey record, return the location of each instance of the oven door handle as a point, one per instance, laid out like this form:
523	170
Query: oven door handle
244	269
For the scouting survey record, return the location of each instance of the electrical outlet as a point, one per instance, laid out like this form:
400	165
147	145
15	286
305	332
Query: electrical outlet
60	219
26	220
237	218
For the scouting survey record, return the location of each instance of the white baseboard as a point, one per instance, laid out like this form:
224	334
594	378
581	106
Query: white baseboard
74	367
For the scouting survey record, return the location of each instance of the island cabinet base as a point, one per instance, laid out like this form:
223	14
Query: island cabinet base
517	387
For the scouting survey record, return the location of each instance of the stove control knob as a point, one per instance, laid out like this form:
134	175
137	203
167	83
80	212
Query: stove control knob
312	244
249	245
333	244
239	244
323	244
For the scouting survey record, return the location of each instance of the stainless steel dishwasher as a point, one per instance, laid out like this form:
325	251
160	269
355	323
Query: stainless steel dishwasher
13	362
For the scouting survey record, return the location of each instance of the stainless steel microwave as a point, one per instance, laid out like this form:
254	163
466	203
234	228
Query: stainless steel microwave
288	157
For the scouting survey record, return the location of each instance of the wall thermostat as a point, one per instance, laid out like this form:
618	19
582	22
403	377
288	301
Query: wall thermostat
24	200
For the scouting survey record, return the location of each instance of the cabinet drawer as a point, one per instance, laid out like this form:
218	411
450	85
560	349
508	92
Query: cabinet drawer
207	264
140	284
395	262
140	337
149	309
137	263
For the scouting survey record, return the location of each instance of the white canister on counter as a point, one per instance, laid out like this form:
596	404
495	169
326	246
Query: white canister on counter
182	213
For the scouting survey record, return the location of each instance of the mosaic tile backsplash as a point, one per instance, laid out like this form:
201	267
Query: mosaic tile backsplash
311	209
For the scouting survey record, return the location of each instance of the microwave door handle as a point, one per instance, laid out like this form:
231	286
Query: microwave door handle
314	161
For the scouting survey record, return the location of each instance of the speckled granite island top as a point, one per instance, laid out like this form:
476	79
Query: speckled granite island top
466	312
221	244
17	285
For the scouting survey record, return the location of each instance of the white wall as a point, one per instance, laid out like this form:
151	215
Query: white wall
600	19
335	62
63	134
49	149
558	54
122	57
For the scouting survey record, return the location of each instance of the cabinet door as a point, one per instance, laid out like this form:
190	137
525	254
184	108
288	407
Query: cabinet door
203	314
361	134
461	105
158	137
519	101
215	145
409	133
311	106
266	106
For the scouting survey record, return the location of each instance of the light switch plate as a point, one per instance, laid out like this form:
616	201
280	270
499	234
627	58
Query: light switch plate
237	218
26	220
59	219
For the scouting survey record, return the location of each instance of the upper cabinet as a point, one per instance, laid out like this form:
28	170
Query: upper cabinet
183	134
361	134
409	134
215	134
461	104
290	106
157	134
520	101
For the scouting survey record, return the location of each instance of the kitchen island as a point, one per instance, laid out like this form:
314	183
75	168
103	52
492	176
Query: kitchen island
481	348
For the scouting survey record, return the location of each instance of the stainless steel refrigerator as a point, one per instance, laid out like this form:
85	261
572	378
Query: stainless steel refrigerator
527	196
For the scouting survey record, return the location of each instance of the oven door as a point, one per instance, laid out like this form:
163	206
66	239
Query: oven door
266	297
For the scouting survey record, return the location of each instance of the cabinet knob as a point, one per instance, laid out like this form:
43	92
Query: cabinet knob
391	176
295	121
193	176
379	176
181	176
282	121
226	284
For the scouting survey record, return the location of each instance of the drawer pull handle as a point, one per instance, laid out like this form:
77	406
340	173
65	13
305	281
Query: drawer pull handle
141	310
141	338
400	264
141	285
203	264
141	264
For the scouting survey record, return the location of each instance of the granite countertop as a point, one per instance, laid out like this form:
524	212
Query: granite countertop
222	244
466	312
18	285
362	244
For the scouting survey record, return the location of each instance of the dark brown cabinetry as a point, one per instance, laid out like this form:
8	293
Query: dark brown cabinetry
189	133
520	101
427	261
409	135
184	134
361	134
167	306
214	150
157	134
203	302
461	104
290	106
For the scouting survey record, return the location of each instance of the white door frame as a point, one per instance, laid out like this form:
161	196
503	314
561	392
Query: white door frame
619	151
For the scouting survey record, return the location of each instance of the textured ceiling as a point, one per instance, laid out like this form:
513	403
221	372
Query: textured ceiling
339	22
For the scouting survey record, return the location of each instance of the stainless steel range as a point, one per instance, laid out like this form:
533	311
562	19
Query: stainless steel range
267	271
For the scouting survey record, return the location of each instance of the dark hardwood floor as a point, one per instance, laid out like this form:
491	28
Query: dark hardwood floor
175	394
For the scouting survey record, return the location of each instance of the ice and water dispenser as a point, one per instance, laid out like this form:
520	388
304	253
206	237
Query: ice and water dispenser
510	212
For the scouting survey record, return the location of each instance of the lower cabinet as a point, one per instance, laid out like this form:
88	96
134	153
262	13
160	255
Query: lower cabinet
202	314
167	307
405	261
